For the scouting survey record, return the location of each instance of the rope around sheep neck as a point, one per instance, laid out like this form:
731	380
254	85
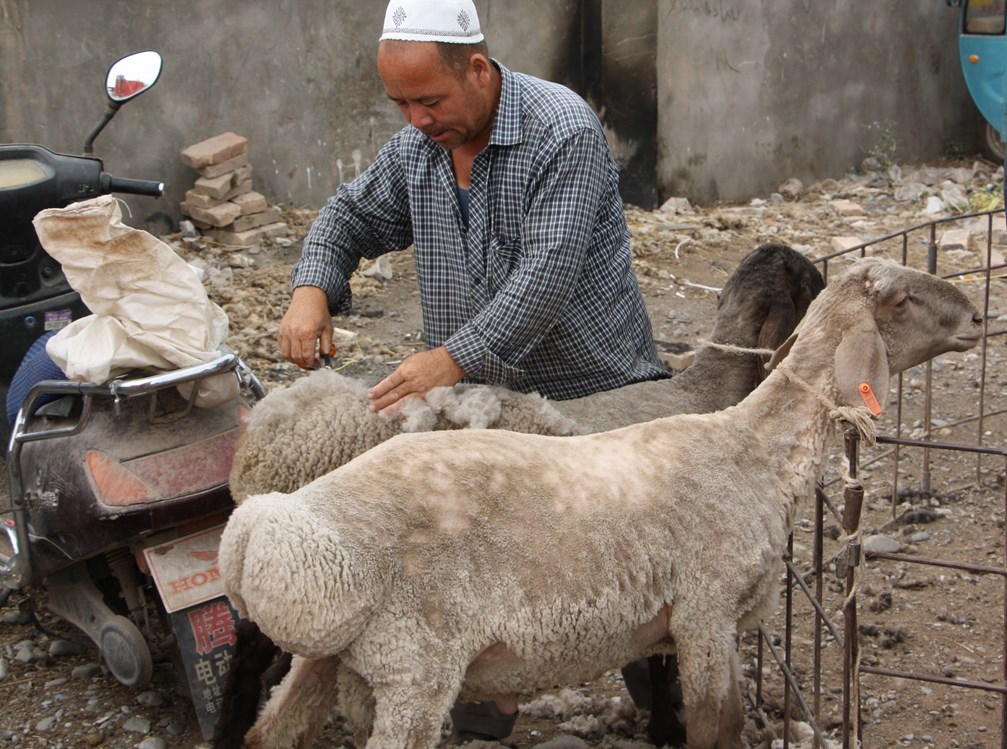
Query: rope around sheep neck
732	349
859	417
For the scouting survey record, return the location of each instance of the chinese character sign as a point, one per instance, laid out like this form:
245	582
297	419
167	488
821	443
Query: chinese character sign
206	638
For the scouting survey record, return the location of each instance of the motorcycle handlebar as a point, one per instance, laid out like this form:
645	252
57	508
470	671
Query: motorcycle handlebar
131	186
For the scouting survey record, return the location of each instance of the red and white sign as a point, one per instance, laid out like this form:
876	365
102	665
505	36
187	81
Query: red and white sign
185	569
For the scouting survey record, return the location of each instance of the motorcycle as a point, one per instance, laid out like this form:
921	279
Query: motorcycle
34	295
118	490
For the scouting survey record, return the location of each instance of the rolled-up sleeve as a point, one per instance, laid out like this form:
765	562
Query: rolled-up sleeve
365	218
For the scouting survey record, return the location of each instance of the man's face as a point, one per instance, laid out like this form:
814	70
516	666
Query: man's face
449	110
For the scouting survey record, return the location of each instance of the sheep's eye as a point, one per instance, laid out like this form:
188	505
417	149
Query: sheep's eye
902	301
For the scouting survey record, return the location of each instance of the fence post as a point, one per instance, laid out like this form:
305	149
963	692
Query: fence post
853	497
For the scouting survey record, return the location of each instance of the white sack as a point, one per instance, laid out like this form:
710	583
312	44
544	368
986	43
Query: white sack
151	311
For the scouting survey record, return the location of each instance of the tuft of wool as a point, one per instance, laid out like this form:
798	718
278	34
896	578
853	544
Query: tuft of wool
484	407
564	742
564	705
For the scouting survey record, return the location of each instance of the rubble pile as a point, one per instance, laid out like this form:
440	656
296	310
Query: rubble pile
222	204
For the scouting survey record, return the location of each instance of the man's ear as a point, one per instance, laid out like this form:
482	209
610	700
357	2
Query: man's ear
482	67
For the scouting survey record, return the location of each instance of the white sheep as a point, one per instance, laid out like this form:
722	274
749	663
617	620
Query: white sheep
303	431
324	422
481	563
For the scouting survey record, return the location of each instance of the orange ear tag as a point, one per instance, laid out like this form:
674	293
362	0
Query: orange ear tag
869	400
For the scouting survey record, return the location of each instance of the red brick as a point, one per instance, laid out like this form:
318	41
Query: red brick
201	199
215	170
215	187
241	174
279	229
201	225
252	220
218	215
251	202
847	208
214	150
240	189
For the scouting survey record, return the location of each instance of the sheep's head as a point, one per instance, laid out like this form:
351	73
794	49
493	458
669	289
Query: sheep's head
887	318
764	299
918	315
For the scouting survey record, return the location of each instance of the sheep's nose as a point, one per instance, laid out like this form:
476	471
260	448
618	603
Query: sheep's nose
977	318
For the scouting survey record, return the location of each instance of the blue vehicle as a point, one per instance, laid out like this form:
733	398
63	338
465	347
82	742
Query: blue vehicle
982	47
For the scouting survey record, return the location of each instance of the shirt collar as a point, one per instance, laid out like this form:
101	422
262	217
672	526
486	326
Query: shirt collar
507	129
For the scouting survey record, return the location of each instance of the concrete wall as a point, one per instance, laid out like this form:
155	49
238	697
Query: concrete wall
297	77
620	81
712	99
752	92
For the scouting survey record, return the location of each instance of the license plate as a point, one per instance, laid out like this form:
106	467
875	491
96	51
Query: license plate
185	569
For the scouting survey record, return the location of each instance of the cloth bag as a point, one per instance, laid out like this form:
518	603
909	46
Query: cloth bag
150	310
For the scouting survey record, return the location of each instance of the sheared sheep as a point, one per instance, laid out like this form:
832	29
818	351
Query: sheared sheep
760	305
325	423
482	563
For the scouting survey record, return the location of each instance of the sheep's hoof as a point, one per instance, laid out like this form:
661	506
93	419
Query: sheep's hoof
670	734
479	721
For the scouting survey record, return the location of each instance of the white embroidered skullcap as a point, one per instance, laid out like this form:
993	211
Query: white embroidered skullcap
453	21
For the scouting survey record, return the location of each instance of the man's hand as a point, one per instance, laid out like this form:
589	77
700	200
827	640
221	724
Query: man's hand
417	375
306	324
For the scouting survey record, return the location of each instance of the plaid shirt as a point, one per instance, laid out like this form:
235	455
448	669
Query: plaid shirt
536	293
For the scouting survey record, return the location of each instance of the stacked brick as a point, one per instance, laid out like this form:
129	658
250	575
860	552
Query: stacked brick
222	204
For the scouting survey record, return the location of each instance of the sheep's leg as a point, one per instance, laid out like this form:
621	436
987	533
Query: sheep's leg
665	728
356	702
732	713
298	707
410	717
708	666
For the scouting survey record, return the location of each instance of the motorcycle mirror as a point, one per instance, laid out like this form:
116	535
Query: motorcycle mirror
127	78
131	75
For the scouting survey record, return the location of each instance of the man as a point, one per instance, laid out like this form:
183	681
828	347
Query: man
506	188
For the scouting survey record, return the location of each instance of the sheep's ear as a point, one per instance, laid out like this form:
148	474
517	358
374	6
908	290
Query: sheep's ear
862	368
779	324
781	352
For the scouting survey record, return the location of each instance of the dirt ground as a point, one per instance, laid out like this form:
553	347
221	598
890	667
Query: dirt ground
936	620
